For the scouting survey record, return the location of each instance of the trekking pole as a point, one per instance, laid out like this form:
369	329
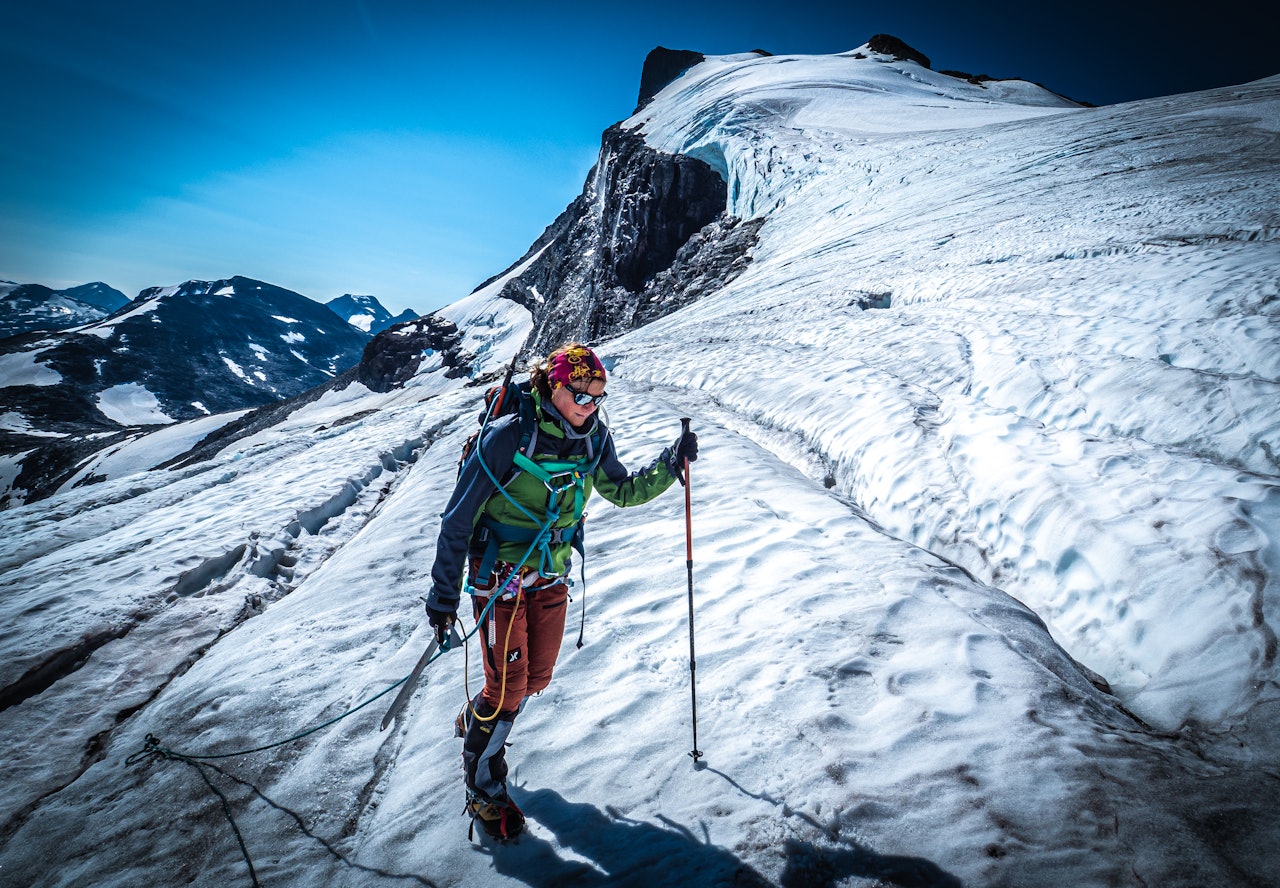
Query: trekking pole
688	542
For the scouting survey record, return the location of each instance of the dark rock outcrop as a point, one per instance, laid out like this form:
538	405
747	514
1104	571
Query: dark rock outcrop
647	236
661	67
393	356
890	45
603	256
710	259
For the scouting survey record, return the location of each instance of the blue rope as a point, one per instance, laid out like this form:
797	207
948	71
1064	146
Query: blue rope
153	749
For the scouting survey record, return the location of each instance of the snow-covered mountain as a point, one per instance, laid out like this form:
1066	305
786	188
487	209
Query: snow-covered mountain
196	350
367	313
97	293
986	531
25	308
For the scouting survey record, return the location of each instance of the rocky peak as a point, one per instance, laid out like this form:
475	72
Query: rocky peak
661	67
638	209
647	236
887	44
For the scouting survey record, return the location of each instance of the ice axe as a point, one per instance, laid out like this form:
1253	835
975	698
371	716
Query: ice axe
411	682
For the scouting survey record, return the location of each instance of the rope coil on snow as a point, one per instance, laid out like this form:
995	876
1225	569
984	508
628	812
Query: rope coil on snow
153	749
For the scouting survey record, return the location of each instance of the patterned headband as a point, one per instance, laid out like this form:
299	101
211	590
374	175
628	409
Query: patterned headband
574	364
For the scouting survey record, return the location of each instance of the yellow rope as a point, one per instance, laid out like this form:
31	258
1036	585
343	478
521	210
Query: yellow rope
502	695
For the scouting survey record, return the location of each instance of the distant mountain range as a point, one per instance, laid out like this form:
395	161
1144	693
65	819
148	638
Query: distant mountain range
367	313
28	307
172	354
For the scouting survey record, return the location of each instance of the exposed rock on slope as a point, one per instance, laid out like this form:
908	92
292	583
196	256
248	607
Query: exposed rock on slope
647	236
393	356
890	45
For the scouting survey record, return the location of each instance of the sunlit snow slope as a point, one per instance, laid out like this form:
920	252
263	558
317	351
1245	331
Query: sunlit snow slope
1074	393
989	424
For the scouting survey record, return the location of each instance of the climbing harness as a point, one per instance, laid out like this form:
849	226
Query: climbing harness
557	476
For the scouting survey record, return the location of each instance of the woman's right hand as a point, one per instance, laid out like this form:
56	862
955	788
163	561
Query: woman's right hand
441	623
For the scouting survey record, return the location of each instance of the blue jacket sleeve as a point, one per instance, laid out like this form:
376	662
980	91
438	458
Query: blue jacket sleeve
497	447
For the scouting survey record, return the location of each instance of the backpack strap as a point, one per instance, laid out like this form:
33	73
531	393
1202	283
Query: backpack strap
557	475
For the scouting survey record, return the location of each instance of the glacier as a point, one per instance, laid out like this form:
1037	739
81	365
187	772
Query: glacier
986	543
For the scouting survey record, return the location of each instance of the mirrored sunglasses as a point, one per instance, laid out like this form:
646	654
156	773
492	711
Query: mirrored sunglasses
582	399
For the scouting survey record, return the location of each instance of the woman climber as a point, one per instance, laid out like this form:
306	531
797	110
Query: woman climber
513	519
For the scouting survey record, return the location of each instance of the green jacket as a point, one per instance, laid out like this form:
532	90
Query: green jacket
477	503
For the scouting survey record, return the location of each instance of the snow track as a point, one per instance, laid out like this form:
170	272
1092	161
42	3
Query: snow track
1056	390
121	655
916	699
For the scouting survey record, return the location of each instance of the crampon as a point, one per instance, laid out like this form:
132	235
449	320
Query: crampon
498	817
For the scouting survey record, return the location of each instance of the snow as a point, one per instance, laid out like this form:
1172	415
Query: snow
10	468
293	336
493	328
361	321
130	404
144	452
808	103
924	535
107	330
12	421
236	369
22	368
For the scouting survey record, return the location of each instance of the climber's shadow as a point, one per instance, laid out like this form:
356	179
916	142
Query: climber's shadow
611	849
810	866
620	851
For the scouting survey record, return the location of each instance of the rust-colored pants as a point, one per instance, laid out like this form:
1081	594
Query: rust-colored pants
521	640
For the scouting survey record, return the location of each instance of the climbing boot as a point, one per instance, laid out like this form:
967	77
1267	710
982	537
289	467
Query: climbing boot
498	817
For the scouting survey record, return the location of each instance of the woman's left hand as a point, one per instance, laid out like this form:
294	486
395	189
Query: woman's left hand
685	448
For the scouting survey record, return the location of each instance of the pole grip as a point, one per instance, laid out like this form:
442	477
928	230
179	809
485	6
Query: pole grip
688	507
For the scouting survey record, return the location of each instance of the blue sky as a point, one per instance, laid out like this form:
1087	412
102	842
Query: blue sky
412	149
